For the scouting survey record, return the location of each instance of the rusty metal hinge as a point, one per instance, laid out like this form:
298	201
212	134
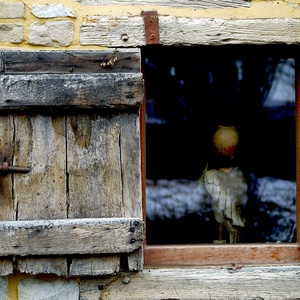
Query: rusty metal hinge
151	27
5	168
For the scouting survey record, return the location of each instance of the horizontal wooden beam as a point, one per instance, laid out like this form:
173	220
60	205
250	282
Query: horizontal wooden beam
221	254
126	31
223	282
70	62
70	236
178	3
115	90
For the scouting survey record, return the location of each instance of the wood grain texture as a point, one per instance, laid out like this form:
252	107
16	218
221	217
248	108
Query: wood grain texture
6	267
40	144
79	236
177	3
94	166
227	282
131	164
70	62
7	131
109	30
191	255
44	265
69	91
95	266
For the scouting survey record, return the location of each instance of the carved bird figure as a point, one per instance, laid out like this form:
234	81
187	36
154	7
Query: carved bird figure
226	185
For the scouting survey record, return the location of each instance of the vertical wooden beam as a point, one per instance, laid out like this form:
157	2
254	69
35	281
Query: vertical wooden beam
7	211
297	119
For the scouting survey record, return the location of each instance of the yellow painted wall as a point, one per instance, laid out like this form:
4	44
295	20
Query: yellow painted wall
258	9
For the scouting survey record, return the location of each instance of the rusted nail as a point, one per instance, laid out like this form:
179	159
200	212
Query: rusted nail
131	229
132	241
136	223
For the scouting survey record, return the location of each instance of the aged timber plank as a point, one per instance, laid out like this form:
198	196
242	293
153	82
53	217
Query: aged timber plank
8	207
177	3
67	91
6	267
94	167
70	236
110	30
228	282
97	265
131	164
43	265
131	177
40	144
70	62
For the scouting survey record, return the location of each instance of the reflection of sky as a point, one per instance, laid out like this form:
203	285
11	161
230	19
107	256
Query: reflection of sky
282	90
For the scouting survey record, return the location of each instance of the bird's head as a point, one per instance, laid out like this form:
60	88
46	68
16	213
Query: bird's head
225	140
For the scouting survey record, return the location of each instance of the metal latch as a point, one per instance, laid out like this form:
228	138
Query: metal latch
13	169
151	27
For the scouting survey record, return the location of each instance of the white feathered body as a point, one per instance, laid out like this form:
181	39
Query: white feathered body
228	191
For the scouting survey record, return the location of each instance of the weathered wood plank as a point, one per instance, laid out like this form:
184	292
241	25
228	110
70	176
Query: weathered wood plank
228	282
109	30
41	194
43	265
135	260
76	90
7	211
177	3
70	62
40	144
6	267
79	236
94	167
95	266
131	165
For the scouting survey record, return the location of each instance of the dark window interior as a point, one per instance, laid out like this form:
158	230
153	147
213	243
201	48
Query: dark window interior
190	91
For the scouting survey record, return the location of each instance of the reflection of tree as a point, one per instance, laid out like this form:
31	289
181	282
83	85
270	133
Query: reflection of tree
197	89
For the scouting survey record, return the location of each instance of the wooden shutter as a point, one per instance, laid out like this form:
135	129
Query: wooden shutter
72	117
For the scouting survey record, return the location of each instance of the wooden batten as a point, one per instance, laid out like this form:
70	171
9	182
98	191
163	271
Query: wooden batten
70	236
178	3
70	79
70	62
70	91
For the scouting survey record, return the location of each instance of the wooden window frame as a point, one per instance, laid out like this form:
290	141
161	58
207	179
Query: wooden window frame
223	254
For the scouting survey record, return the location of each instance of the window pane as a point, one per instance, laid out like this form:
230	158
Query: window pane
190	92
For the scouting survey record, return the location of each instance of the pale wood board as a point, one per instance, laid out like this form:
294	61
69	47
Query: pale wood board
41	146
227	282
176	3
70	236
95	266
7	131
44	265
94	166
70	90
108	31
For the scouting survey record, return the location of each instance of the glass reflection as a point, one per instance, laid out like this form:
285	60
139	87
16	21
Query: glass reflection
194	184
